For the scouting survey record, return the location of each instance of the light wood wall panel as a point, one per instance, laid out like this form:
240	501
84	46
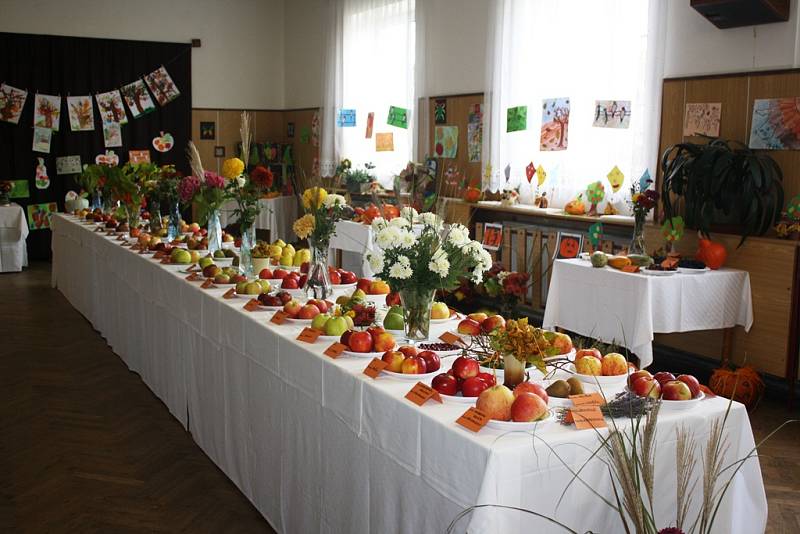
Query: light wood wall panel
304	153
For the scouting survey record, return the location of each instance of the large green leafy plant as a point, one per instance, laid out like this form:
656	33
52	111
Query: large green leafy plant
722	176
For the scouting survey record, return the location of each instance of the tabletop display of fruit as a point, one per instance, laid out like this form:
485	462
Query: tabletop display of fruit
440	311
274	299
197	244
408	360
394	319
332	325
472	386
665	385
599	259
612	364
182	256
477	323
562	389
378	287
374	339
711	253
337	276
252	288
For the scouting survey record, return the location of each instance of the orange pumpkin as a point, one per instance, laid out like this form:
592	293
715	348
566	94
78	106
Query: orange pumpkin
576	207
371	213
711	253
742	385
472	194
390	211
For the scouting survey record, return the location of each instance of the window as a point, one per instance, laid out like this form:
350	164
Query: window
583	51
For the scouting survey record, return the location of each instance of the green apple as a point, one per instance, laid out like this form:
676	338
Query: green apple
252	288
349	321
180	255
241	287
219	253
393	321
318	323
265	286
205	261
396	309
336	326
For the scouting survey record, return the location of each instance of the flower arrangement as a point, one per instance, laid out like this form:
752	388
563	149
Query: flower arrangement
352	177
93	178
520	341
5	189
248	191
643	201
322	211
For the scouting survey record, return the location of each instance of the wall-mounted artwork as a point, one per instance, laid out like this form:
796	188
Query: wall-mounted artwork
517	119
39	215
68	165
555	124
776	124
384	142
445	139
208	131
161	85
81	113
612	114
111	108
702	119
47	111
138	99
12	100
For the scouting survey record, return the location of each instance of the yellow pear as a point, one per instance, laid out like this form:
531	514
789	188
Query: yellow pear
305	254
275	251
290	248
279	243
287	260
298	259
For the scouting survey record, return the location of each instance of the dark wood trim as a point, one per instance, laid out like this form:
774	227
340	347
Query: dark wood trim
766	72
253	109
479	93
793	343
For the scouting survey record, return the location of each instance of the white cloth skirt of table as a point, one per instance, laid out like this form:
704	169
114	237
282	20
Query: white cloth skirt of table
319	447
277	215
628	308
13	232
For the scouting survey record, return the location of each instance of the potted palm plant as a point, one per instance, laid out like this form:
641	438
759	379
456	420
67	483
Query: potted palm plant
722	181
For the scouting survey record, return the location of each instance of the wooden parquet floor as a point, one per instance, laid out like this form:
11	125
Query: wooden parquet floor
84	445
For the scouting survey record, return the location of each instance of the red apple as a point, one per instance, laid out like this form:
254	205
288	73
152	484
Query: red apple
692	382
492	323
413	366
473	387
614	364
662	377
675	390
445	384
375	330
588	352
395	360
530	387
361	342
464	367
280	273
527	408
408	350
289	283
478	316
489	378
432	361
639	374
335	277
363	284
301	282
309	311
265	274
384	341
292	308
304	267
393	299
589	365
321	304
645	386
469	327
283	295
348	277
345	339
496	402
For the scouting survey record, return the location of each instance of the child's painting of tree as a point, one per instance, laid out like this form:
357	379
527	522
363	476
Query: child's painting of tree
111	107
138	99
47	112
81	113
161	85
12	100
555	124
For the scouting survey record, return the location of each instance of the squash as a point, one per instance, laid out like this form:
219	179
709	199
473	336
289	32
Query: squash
618	262
742	385
576	206
599	259
711	253
472	194
640	260
390	211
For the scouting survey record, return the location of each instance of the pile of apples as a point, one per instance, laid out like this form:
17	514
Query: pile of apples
526	404
278	299
252	288
476	323
338	276
197	244
664	385
222	275
464	377
289	279
330	324
591	362
409	361
373	339
309	310
193	228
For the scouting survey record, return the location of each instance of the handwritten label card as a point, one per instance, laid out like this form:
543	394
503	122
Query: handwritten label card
208	284
421	393
252	305
587	416
587	399
229	294
449	337
193	277
335	350
473	419
308	335
375	367
279	317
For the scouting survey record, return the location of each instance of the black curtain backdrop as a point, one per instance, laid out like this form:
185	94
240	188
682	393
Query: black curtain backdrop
76	66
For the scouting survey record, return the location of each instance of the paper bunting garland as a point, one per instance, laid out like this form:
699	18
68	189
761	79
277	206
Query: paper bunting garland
645	180
595	233
672	229
47	112
530	170
12	100
615	178
161	85
81	113
42	180
541	175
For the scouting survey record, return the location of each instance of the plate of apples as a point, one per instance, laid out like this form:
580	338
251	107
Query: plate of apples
441	313
676	393
523	409
475	324
274	301
373	342
592	367
408	363
464	382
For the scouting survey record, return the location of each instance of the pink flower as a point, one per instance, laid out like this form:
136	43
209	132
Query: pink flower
214	180
188	187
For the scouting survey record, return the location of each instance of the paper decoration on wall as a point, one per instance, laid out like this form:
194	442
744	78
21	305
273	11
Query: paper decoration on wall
645	180
568	246
12	100
164	142
595	193
555	124
19	189
517	119
112	134
397	117
41	139
47	112
530	170
290	129
305	135
208	130
672	229
702	119
440	111
42	180
612	114
475	135
39	215
384	142
370	124
138	99
219	151
776	124
346	118
615	178
595	233
111	108
507	172
492	236
315	167
315	129
793	209
68	165
445	141
541	175
161	85
139	156
81	113
110	158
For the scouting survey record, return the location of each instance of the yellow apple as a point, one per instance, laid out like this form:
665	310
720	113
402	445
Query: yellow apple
439	310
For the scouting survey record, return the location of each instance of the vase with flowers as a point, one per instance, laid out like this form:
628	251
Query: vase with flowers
5	191
247	194
207	190
418	261
641	203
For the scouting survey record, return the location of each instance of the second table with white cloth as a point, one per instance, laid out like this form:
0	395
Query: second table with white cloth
13	233
277	215
629	308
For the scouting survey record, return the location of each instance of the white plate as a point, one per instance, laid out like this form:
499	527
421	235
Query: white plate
559	401
686	270
455	317
679	406
271	308
511	425
404	376
603	381
299	321
341	287
650	272
570	356
329	338
365	355
458	399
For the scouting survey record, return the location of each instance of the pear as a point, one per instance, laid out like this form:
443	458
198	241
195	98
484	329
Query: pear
358	294
287	260
559	389
290	250
575	385
279	243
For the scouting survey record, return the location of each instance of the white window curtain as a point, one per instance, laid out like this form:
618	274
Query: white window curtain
584	50
370	66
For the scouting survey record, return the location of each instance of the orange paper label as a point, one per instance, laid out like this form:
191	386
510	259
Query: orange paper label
279	317
193	277
126	244
473	419
421	393
335	350
158	255
449	337
375	367
587	416
193	268
208	284
308	335
252	305
229	294
587	399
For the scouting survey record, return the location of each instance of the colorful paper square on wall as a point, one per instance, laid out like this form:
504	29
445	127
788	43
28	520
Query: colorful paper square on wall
39	215
517	119
445	141
440	111
346	118
555	124
397	117
612	114
20	189
776	124
384	142
702	119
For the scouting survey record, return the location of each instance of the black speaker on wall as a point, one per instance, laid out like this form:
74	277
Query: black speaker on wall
736	13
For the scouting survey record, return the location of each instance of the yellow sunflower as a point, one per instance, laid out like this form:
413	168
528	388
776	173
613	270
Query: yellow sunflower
304	225
314	197
232	168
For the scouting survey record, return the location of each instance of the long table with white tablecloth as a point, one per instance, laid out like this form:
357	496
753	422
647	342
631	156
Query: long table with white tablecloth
318	446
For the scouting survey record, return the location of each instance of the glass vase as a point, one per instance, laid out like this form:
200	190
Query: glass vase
245	251
97	200
132	216
174	224
155	219
513	371
637	241
214	232
318	285
417	313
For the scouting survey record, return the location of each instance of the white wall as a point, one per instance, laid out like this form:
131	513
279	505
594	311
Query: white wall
304	44
695	46
240	63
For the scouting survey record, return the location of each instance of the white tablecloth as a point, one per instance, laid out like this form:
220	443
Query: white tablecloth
319	447
354	240
629	308
277	215
13	231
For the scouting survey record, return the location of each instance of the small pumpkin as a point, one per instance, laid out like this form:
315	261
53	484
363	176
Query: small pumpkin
371	213
711	253
576	206
742	385
472	194
390	211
